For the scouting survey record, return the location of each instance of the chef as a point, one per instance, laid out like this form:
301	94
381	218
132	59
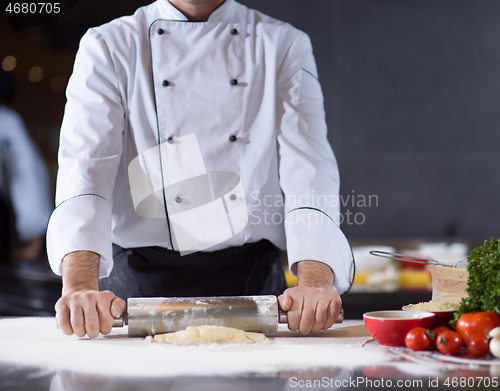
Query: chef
193	147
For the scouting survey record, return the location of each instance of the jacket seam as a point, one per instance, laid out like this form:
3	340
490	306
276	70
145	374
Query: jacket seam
311	208
80	195
305	70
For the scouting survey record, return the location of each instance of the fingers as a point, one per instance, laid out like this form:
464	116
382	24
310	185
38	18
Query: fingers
321	316
88	312
295	312
118	307
307	318
63	316
285	302
103	307
333	313
109	311
92	325
77	320
311	309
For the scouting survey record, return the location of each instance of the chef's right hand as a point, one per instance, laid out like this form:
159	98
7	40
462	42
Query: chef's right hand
88	312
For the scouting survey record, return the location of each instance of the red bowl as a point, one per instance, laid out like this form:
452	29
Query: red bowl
389	328
441	318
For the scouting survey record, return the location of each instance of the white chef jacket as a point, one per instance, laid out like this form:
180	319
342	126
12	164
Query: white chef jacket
142	79
24	178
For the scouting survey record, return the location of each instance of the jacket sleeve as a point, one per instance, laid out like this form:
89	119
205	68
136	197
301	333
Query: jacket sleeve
89	155
308	170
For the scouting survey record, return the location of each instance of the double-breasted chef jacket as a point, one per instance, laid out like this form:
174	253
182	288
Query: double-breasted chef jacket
245	85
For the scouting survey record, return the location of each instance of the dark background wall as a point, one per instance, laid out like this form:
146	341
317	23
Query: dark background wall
412	98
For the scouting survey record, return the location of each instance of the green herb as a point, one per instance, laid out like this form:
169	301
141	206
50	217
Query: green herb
484	279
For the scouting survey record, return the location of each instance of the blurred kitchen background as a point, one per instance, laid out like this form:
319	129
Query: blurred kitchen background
412	98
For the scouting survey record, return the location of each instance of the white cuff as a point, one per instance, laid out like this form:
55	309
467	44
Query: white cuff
312	235
81	223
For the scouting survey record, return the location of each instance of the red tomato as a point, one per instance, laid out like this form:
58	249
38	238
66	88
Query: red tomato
417	339
449	342
479	344
436	332
477	323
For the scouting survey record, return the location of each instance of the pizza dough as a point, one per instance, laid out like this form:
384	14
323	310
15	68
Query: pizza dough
196	335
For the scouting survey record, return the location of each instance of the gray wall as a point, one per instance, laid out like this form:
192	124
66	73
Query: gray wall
412	95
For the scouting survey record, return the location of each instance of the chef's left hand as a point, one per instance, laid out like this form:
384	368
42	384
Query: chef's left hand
312	305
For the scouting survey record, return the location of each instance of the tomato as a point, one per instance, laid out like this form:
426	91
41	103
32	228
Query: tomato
436	332
477	322
449	342
466	325
417	339
479	344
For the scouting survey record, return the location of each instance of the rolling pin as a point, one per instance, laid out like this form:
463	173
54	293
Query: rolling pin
157	315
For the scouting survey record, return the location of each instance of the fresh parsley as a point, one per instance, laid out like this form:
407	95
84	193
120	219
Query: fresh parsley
484	279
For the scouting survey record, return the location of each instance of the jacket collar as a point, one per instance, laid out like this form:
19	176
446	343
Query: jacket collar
168	11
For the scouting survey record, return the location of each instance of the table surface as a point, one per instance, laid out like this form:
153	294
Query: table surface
34	355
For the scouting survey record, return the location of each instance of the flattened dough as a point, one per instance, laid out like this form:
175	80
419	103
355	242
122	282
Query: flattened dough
196	335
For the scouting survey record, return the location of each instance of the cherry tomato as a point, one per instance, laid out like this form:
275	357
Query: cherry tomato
449	342
417	339
479	344
477	322
436	332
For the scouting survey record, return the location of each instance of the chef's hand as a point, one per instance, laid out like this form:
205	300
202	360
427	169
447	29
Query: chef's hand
88	312
83	309
312	305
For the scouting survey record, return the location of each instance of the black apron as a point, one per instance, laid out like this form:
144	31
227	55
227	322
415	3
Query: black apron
252	269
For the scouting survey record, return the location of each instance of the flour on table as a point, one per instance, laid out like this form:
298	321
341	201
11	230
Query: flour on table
197	335
37	342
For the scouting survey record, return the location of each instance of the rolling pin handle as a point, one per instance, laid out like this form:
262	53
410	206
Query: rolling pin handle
283	317
119	322
340	318
122	321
